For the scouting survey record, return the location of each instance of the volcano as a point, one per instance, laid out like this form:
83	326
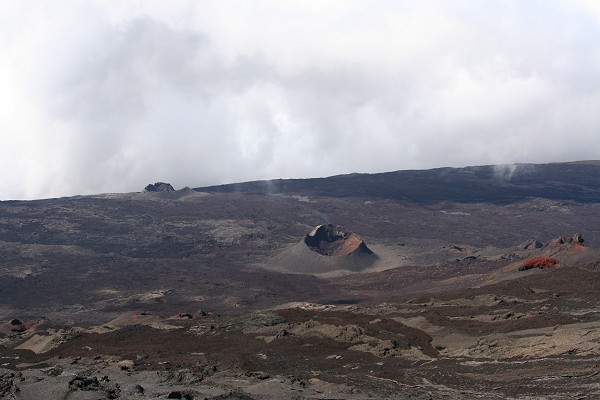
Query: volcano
327	248
330	240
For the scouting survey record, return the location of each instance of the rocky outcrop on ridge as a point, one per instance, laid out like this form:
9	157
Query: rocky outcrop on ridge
577	239
159	187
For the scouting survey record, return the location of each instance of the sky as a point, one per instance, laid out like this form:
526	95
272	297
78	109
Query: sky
108	96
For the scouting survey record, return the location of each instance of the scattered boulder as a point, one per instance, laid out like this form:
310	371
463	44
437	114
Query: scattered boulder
8	384
192	375
232	396
281	333
453	247
330	240
159	187
137	389
126	365
84	383
258	375
541	262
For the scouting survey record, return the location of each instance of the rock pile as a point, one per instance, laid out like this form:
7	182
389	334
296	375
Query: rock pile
577	239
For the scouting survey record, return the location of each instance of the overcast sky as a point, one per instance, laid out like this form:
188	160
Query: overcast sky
108	96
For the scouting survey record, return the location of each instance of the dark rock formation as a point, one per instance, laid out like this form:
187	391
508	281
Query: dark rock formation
330	240
577	239
159	187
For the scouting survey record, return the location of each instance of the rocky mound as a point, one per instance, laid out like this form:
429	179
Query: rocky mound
330	240
159	187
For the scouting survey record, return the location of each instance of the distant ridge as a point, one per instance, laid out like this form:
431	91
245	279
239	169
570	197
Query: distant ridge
501	184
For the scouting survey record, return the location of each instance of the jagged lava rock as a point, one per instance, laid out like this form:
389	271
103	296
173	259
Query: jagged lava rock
577	239
159	187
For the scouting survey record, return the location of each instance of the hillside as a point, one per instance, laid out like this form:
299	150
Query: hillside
574	181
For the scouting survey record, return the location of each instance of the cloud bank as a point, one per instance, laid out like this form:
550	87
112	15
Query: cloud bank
109	96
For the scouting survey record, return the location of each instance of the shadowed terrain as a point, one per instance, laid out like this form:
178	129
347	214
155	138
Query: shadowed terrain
504	184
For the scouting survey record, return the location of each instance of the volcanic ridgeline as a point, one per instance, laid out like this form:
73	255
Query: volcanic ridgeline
498	184
326	248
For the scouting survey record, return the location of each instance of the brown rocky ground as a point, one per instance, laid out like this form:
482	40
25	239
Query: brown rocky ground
536	337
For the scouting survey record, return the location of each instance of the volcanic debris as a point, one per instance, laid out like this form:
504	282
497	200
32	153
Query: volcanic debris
576	239
541	262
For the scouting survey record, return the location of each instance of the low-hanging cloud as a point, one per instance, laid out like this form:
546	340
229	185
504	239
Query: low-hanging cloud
109	96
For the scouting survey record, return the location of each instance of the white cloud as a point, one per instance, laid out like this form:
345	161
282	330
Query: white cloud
111	95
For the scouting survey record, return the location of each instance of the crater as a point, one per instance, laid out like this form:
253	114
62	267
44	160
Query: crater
330	240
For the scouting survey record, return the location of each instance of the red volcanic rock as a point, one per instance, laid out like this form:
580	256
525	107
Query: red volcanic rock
579	247
17	326
541	262
330	240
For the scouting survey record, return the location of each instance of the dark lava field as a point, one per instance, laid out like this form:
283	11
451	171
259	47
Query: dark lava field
470	283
